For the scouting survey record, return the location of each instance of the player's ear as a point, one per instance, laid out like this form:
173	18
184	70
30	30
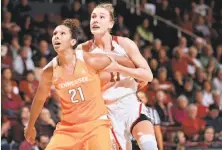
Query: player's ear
111	24
73	42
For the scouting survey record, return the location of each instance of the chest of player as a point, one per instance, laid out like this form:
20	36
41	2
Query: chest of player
77	86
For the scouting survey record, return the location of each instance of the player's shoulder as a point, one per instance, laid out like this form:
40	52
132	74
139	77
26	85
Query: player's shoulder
47	71
125	42
85	46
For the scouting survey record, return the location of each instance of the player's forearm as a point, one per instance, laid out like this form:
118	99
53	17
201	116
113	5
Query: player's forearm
36	108
140	74
124	61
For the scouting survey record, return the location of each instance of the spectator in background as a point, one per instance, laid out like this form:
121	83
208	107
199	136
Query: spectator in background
201	28
22	62
44	51
27	41
219	54
7	77
178	82
202	111
38	69
42	141
182	44
28	87
207	94
121	29
189	90
45	124
76	10
181	61
192	125
208	138
22	9
163	108
193	55
11	102
217	81
179	110
187	23
214	120
200	78
7	22
157	46
14	47
180	140
145	32
138	41
217	97
163	59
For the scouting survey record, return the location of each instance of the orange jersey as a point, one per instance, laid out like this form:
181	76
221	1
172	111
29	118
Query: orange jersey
80	93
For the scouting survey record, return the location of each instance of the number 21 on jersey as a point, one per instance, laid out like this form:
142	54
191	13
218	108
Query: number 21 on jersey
74	92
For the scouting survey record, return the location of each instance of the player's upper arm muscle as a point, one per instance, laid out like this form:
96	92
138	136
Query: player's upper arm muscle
96	61
133	52
45	82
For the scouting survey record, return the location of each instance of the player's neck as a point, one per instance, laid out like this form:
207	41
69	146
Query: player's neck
66	57
104	41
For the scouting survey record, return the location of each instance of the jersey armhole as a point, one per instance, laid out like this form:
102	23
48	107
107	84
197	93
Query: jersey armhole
115	38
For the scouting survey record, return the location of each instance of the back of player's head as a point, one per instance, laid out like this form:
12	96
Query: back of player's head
70	23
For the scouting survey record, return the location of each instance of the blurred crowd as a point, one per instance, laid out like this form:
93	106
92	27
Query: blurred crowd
186	90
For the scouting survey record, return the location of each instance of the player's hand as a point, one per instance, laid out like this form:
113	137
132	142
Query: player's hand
30	134
113	66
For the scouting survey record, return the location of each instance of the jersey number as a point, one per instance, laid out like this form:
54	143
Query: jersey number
74	92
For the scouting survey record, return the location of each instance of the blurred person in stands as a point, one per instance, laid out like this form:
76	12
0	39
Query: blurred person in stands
217	81
157	122
163	108
189	90
11	102
193	55
27	41
217	97
14	47
22	62
179	110
179	139
207	55
156	47
29	85
202	111
207	93
151	91
219	54
214	120
192	125
138	41
7	23
163	59
45	124
178	82
37	70
187	23
181	61
182	44
22	9
44	51
145	32
200	78
121	29
7	77
201	28
42	141
207	138
154	66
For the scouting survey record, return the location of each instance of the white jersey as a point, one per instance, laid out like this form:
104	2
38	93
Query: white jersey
127	85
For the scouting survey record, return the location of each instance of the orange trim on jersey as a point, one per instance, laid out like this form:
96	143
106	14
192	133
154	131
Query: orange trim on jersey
115	38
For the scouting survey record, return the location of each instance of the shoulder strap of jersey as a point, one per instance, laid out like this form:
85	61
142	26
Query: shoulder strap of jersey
87	46
115	38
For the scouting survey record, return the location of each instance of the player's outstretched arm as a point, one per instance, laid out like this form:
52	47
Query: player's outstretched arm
142	72
38	102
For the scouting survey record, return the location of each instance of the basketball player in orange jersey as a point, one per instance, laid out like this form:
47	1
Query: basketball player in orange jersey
128	116
84	124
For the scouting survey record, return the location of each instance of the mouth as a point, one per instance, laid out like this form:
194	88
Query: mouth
95	27
57	43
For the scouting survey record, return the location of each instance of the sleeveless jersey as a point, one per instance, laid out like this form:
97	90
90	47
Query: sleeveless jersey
127	85
80	92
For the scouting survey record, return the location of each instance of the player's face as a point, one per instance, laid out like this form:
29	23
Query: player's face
100	21
61	39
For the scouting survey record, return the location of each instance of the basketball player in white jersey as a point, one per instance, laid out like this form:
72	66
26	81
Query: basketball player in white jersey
128	116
